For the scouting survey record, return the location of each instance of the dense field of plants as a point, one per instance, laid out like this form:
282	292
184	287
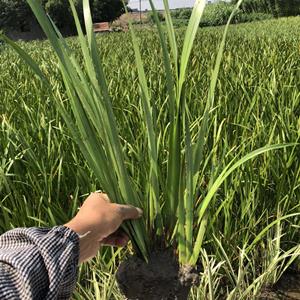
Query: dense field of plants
44	178
217	14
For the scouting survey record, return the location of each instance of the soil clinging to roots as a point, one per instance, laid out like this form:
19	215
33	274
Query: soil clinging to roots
161	279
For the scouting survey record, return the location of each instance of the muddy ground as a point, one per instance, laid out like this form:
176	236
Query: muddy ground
288	288
161	279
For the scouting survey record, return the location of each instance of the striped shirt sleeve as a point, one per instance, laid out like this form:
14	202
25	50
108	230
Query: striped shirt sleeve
38	263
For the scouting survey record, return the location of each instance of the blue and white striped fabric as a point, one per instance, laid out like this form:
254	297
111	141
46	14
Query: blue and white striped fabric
38	263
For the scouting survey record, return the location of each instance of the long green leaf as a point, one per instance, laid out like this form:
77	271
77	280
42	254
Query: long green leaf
154	205
216	185
190	36
199	145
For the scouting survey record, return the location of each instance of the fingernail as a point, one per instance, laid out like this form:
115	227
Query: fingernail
140	212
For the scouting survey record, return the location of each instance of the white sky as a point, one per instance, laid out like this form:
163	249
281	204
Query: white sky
159	3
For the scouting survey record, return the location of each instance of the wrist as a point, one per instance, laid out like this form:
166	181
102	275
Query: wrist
77	227
88	247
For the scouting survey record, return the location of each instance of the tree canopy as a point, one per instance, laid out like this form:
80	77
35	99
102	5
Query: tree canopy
278	8
16	14
107	10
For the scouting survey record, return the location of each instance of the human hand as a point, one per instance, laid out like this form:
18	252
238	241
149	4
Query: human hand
99	221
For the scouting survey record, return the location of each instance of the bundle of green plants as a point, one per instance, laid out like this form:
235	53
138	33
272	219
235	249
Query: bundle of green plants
252	17
151	17
177	179
218	14
177	23
278	8
181	13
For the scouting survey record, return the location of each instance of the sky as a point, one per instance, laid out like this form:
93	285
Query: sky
159	3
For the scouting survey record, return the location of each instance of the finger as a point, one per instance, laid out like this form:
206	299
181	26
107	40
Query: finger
120	233
117	241
129	212
105	197
96	196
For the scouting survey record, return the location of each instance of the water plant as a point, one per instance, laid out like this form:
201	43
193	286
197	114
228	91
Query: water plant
179	179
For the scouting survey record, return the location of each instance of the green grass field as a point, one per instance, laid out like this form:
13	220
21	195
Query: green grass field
44	178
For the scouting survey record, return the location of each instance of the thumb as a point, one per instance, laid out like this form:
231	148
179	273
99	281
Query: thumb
129	212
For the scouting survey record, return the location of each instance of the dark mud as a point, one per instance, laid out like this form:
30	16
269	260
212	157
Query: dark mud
288	288
161	279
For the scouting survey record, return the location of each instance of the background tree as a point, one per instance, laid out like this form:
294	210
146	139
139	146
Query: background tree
107	10
17	15
61	14
278	8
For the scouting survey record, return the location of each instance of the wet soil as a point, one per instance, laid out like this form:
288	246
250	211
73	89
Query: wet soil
288	288
161	279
